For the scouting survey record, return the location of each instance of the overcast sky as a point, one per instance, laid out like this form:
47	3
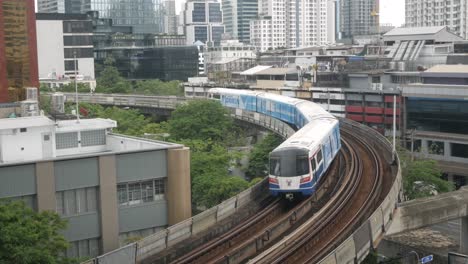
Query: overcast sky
391	11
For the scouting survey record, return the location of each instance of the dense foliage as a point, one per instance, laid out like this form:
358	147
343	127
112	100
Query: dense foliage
422	177
208	130
202	125
30	237
200	119
258	158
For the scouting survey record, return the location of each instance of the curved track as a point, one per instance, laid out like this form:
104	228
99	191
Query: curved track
333	224
308	231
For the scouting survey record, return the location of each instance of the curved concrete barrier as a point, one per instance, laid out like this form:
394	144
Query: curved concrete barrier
368	235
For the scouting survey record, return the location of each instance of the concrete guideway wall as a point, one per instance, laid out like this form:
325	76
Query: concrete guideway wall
368	235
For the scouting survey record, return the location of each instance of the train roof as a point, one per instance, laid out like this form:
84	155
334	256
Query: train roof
311	135
234	91
282	98
312	110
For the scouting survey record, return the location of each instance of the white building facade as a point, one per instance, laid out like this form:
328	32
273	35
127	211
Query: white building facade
59	38
203	22
293	23
427	13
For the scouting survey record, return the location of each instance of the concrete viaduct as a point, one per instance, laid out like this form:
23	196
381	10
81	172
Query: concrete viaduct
407	216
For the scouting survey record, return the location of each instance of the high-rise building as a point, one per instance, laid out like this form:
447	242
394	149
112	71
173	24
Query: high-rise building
203	22
293	23
145	16
427	13
358	17
18	50
170	17
237	15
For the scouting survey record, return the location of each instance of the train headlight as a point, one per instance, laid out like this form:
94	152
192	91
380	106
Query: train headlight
305	179
273	180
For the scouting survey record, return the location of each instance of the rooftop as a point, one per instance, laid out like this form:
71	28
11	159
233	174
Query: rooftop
43	139
277	71
254	70
449	68
414	31
25	122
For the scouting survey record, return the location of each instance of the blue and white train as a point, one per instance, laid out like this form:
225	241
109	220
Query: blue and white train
297	165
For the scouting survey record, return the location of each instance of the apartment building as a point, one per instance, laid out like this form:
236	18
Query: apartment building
203	22
427	13
292	24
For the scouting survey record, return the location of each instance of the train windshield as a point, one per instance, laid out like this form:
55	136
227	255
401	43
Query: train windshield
289	163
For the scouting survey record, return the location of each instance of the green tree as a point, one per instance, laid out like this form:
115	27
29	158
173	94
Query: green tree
200	119
110	80
423	171
210	190
30	237
157	87
258	158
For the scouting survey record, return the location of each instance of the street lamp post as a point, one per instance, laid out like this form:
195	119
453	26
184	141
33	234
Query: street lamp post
76	90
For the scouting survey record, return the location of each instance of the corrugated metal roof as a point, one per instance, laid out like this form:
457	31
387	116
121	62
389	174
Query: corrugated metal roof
254	70
414	31
277	71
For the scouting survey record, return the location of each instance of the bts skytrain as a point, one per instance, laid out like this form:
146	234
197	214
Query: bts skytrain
297	165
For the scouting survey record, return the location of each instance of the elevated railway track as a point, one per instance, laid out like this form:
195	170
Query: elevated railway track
339	224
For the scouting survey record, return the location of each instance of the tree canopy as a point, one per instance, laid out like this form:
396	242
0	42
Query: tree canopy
30	237
200	119
421	177
258	158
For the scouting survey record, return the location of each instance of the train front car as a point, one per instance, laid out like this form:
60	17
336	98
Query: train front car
290	173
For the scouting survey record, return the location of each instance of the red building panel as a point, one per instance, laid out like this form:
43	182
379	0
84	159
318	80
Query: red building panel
389	99
357	118
354	109
374	110
32	41
389	111
389	121
374	119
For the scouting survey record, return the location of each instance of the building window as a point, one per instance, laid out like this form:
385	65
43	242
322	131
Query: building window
83	248
66	140
29	200
23	130
141	192
77	201
93	138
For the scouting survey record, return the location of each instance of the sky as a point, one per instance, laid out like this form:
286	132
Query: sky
391	11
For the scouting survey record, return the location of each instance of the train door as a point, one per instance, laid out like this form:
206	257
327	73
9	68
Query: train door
319	163
313	169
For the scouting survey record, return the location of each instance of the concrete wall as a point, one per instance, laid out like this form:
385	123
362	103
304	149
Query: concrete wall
179	195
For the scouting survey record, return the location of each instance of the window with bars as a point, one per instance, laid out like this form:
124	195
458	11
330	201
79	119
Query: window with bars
66	140
141	192
77	201
93	138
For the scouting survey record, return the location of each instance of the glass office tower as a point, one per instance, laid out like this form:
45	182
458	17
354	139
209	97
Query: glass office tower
18	49
144	16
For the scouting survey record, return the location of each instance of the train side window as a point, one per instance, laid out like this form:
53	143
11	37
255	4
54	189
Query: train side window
313	165
319	156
